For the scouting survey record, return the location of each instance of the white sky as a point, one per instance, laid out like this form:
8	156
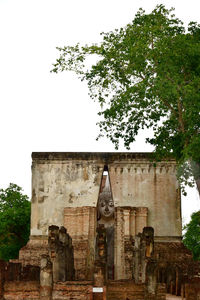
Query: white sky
41	111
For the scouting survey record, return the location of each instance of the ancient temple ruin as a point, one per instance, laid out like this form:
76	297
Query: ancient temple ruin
103	226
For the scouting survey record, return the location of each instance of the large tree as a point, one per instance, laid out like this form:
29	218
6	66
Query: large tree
14	221
146	75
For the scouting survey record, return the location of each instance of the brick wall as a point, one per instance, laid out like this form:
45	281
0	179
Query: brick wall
32	252
192	289
123	290
81	225
18	290
72	290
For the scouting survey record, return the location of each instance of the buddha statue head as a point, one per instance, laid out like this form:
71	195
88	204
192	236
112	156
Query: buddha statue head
106	205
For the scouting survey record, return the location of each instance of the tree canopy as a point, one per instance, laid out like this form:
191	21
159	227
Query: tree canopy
191	238
146	75
14	221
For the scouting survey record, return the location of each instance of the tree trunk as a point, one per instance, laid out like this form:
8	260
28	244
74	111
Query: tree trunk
196	173
198	185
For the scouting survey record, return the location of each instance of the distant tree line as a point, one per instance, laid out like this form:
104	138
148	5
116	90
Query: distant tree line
15	209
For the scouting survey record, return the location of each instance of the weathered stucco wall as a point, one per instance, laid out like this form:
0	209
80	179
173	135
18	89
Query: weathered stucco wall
138	183
61	180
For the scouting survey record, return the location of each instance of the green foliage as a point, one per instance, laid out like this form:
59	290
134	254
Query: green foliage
147	75
14	221
191	238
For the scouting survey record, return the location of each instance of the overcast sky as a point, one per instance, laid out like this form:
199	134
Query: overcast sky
41	111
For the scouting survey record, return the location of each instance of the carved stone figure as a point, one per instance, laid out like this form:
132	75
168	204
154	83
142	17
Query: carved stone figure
105	218
106	206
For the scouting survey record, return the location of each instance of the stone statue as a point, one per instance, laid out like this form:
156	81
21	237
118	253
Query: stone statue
106	206
105	219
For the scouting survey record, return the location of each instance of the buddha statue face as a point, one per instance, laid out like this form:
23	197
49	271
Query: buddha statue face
106	207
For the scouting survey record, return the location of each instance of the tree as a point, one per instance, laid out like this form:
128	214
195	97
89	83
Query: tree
191	238
147	75
14	221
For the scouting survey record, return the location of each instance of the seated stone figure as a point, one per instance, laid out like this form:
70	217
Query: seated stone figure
105	218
